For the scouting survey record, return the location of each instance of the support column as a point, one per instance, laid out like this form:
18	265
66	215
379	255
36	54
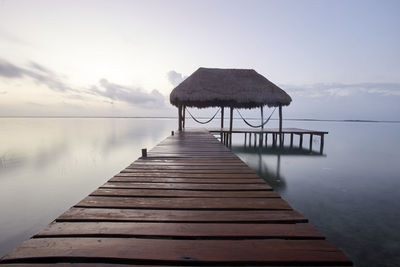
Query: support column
222	121
180	118
262	126
262	117
222	117
321	147
280	126
230	126
183	116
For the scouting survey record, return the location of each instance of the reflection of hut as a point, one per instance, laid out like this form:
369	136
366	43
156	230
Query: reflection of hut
233	88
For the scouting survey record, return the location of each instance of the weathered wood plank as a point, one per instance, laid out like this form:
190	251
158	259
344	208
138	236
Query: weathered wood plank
190	175
186	167
184	203
183	230
128	170
132	250
186	180
243	216
180	193
188	186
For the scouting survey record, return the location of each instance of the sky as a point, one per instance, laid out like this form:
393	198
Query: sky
337	59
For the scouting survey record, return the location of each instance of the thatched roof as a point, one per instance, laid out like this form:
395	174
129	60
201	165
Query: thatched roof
239	88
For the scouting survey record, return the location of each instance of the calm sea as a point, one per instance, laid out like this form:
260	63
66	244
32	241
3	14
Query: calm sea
350	192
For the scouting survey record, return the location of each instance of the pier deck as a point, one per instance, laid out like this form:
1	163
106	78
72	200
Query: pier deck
190	202
263	134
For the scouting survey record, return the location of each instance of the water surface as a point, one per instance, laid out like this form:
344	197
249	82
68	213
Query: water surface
350	192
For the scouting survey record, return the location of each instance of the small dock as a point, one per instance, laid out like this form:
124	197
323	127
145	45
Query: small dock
189	202
277	137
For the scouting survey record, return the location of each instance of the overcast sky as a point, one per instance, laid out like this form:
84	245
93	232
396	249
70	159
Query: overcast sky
337	59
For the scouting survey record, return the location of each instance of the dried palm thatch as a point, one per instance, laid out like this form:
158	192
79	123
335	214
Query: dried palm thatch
238	88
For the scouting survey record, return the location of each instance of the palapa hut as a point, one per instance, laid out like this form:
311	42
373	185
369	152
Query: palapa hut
233	88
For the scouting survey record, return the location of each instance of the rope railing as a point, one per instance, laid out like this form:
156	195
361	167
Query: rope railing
256	126
202	122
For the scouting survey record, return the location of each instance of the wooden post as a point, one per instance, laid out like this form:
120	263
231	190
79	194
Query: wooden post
280	125
266	139
262	117
291	140
222	117
222	121
183	117
230	127
245	137
180	118
321	147
274	139
311	139
249	139
262	126
301	141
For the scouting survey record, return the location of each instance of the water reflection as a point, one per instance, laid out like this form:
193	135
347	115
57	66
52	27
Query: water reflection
261	159
48	165
350	194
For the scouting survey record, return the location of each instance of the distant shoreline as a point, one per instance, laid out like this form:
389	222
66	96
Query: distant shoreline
166	117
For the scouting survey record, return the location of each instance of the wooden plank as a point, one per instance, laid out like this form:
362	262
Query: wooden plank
183	230
190	175
127	170
145	161
124	215
186	180
184	203
190	186
188	167
180	193
132	250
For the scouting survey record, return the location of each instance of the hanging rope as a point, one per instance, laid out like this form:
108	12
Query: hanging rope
256	126
201	122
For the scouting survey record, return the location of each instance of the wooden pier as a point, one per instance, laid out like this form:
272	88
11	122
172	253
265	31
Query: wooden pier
277	136
189	202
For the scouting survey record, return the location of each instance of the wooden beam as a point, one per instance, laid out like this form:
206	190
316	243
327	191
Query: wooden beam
230	126
280	126
262	117
183	116
280	118
222	117
180	118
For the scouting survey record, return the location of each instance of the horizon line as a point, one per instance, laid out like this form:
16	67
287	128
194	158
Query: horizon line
173	117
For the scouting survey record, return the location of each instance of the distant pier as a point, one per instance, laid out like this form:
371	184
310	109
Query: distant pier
260	136
187	202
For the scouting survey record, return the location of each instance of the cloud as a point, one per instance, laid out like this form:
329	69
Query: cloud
343	90
175	78
9	70
111	91
38	73
134	96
